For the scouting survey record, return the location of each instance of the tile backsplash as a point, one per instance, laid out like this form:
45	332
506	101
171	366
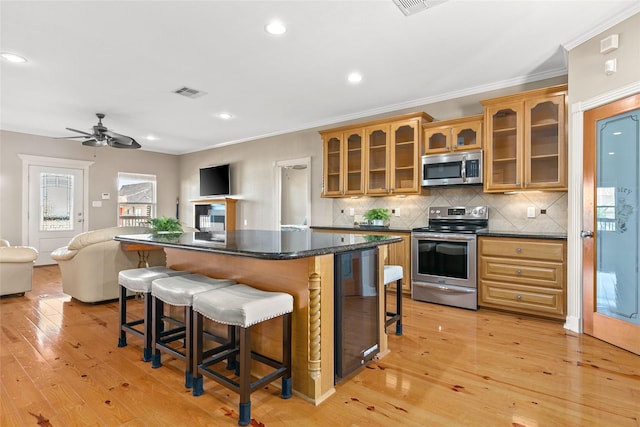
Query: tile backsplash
507	212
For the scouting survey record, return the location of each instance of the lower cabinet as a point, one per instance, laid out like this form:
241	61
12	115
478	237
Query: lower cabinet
523	275
399	253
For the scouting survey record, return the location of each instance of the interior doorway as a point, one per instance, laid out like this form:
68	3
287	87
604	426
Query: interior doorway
293	186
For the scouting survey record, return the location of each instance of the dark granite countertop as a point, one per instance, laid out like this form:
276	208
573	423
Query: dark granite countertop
522	234
364	228
262	244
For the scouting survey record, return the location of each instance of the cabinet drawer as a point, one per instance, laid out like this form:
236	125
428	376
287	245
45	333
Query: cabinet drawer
535	273
523	299
522	249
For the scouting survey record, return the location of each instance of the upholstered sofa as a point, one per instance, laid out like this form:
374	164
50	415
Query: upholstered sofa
90	263
16	268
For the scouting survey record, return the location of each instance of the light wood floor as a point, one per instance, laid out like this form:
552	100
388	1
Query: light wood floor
61	366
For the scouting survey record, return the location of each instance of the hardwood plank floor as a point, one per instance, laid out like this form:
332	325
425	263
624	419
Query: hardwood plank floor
60	366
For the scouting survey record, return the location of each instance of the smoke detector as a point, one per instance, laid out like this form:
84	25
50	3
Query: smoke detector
409	7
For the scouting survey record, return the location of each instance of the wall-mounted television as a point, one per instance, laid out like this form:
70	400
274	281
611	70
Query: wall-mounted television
215	181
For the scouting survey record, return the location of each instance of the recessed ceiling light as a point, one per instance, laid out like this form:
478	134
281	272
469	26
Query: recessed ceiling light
617	133
151	138
355	77
12	57
276	28
225	116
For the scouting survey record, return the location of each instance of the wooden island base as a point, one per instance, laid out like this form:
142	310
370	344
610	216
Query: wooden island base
310	281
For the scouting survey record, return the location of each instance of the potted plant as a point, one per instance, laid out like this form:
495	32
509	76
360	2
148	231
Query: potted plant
165	225
377	216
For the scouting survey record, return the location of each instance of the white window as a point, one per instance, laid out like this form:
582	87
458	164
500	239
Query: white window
136	198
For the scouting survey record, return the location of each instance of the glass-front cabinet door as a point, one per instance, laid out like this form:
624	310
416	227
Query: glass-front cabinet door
545	143
437	139
467	136
377	143
504	147
354	163
405	169
333	164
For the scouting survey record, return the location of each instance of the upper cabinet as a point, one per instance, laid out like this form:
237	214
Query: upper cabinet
453	135
526	141
343	163
376	158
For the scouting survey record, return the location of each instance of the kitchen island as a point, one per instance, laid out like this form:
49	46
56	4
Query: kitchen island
300	263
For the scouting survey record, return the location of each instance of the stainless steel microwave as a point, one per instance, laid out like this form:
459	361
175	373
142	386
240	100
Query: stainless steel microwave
452	168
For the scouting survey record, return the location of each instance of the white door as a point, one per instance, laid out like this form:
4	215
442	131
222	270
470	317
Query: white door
56	208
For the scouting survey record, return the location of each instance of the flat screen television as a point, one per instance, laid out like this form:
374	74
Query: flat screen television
215	181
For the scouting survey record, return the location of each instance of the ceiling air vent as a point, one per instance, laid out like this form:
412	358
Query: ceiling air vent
189	93
409	7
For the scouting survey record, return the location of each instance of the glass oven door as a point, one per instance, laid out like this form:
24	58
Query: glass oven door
446	259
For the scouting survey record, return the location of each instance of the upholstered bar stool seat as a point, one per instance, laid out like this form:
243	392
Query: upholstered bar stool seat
241	306
178	291
394	273
139	280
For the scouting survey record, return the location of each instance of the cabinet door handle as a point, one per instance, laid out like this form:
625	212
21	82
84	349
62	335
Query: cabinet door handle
518	250
518	297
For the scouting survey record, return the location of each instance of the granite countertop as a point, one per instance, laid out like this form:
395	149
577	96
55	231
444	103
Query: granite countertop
364	228
522	234
264	244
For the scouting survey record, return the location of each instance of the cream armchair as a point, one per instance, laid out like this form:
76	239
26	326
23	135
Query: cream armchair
90	263
16	268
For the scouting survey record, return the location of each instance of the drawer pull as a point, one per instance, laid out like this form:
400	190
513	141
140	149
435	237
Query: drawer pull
518	297
518	272
518	250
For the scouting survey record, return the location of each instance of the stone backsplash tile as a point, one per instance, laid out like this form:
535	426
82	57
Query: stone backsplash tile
507	212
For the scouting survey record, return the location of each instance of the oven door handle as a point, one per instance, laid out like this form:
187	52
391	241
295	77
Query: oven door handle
455	291
446	237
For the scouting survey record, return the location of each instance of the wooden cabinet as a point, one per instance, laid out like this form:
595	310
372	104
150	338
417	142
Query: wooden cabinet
216	215
343	163
525	141
398	254
523	275
453	135
376	158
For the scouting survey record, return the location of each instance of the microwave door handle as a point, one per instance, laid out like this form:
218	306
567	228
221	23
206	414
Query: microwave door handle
464	170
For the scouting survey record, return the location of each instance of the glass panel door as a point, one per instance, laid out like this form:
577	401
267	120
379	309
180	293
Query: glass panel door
617	203
55	208
354	163
505	148
611	226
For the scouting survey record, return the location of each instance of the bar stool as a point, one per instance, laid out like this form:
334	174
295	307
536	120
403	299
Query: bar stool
177	291
242	307
394	273
139	280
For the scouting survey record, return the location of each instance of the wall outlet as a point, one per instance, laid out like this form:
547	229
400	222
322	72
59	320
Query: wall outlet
352	211
531	212
396	212
245	222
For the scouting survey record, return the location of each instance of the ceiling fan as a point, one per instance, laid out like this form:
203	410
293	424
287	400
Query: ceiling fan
101	137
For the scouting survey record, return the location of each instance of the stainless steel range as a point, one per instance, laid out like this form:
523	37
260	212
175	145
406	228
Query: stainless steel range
443	256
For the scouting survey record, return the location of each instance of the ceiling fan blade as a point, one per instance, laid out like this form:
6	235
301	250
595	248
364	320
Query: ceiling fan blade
94	143
73	137
79	131
120	139
115	144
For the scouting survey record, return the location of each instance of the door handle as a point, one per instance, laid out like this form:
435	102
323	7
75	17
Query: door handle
586	234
